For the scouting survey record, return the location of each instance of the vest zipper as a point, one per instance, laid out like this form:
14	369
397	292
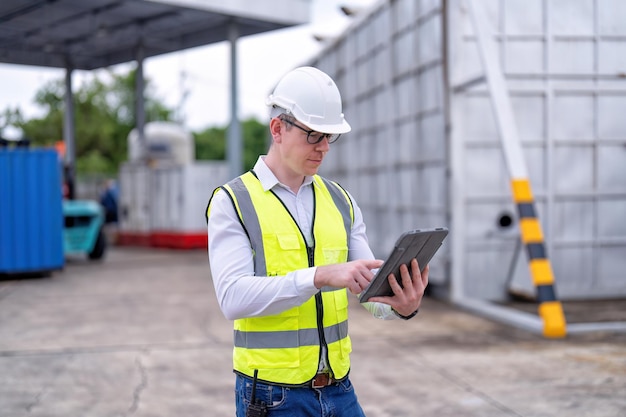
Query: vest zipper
319	306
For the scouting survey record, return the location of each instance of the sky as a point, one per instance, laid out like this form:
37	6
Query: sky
196	82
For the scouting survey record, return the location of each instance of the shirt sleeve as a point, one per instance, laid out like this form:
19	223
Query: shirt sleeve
359	248
240	293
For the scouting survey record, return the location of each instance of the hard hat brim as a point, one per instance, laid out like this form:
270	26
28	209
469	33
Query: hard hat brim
341	128
308	121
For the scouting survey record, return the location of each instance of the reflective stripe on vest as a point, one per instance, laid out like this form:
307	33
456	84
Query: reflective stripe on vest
285	347
284	339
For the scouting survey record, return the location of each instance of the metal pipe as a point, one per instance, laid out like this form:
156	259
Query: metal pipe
140	111
69	135
234	143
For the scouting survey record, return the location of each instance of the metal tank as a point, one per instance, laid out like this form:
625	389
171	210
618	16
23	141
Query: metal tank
164	191
425	149
165	142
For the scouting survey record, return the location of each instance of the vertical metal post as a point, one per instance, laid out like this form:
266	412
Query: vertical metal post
140	112
69	133
550	308
456	196
234	141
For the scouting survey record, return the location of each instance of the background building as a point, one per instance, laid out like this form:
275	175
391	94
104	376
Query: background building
425	149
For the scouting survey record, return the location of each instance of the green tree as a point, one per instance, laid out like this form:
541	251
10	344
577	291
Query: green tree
255	141
104	116
211	143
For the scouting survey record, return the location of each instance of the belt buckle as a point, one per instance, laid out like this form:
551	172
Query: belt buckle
321	381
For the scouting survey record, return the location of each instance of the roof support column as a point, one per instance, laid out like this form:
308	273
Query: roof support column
234	142
140	110
69	130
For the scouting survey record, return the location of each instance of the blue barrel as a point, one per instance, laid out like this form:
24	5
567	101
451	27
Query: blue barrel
31	217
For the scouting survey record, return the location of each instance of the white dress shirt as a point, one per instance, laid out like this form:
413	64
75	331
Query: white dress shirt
239	291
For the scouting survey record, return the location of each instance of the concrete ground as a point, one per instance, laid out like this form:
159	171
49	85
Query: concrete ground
140	334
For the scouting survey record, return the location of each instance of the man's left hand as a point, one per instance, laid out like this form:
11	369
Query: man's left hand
408	297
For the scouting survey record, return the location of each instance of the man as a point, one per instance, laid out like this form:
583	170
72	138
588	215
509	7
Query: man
108	200
285	247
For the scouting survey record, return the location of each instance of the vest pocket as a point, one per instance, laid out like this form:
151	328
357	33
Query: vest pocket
335	255
341	309
284	252
273	341
341	303
275	359
288	241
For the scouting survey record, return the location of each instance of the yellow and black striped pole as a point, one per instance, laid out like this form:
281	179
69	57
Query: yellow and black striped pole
550	309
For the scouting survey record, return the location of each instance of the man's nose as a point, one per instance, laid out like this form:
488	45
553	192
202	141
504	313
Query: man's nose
323	145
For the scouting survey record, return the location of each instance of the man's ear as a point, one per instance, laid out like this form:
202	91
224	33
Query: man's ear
275	127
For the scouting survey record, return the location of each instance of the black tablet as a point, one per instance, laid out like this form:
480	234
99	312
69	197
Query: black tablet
421	244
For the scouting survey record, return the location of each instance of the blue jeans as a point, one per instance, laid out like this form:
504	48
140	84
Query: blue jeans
332	401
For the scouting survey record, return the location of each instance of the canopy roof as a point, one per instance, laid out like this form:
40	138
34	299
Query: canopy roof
90	34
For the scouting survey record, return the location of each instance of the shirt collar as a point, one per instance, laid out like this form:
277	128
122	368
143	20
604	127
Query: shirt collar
268	179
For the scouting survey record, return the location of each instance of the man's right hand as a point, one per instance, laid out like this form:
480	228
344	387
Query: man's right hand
353	275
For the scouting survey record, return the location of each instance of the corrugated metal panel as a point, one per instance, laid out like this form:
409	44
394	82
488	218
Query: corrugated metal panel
202	178
394	160
168	198
425	149
181	193
135	198
563	61
31	218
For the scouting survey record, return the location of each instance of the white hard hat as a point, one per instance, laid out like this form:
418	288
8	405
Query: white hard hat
312	97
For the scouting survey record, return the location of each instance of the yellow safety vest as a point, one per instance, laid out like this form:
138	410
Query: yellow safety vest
286	347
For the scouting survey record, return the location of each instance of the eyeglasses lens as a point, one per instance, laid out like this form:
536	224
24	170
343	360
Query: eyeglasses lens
314	137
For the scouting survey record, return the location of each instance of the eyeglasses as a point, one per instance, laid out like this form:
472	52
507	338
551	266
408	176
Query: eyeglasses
312	136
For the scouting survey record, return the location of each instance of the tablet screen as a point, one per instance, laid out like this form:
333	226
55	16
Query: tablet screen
421	244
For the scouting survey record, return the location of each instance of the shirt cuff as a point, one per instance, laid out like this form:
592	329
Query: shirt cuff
305	281
410	316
